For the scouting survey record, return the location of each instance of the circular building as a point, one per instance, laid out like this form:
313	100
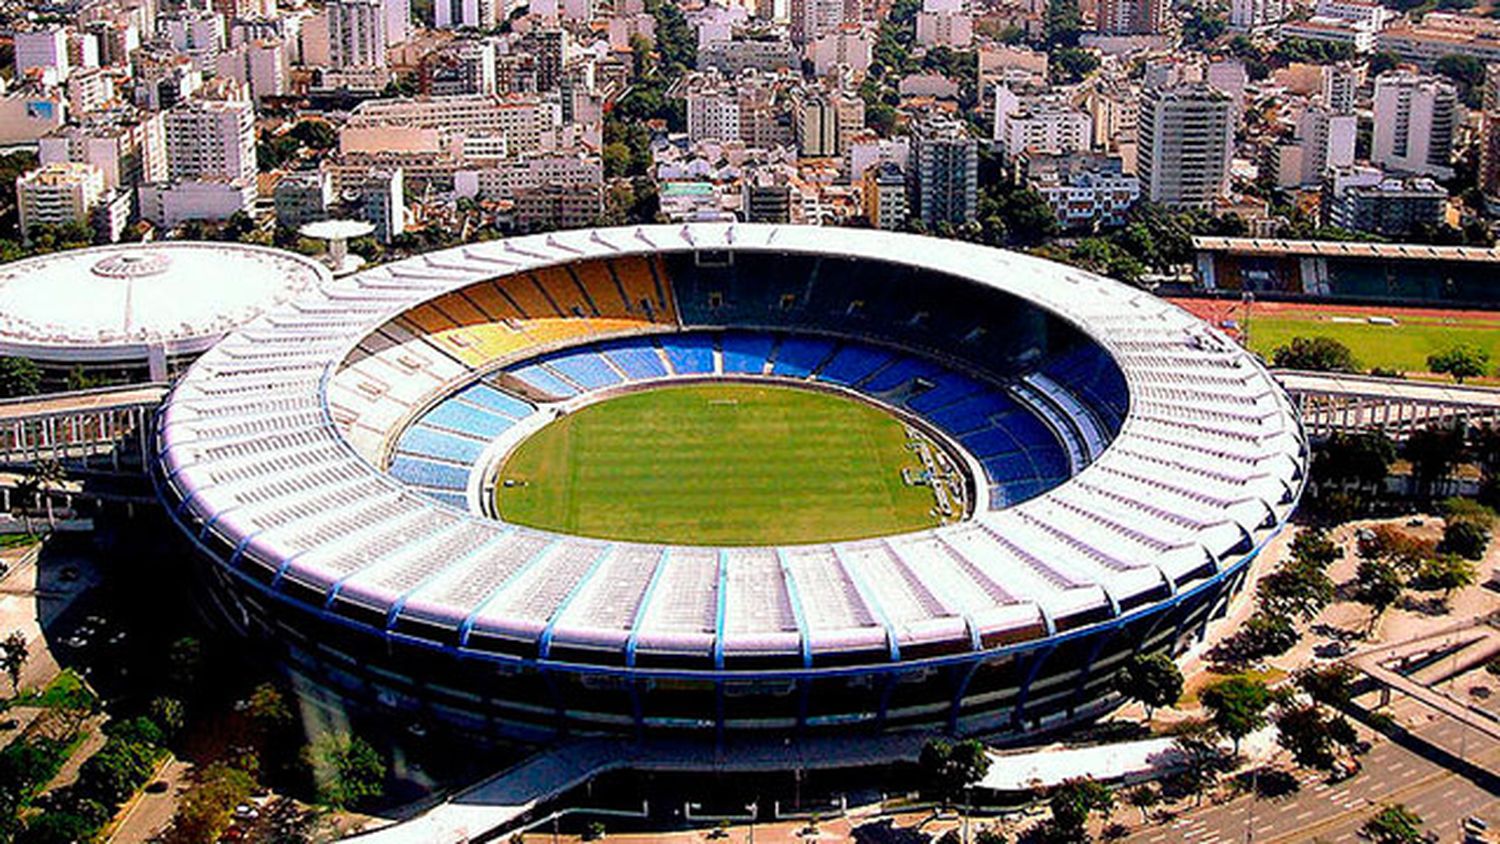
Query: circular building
139	312
360	468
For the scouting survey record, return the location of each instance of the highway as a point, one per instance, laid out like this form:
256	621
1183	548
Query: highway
1406	772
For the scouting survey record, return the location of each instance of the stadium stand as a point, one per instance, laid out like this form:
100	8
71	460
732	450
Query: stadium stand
1009	621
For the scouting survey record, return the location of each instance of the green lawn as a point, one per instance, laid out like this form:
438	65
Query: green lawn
721	464
1403	347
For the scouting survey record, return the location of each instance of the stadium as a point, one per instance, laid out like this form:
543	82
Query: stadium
527	488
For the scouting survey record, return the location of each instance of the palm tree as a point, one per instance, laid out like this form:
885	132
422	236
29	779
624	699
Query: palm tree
40	479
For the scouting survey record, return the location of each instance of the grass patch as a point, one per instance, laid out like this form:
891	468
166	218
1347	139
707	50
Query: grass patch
63	690
1403	347
1189	699
720	464
17	540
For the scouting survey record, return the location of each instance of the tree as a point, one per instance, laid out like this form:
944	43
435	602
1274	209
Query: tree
1363	459
346	769
1070	65
1073	802
1144	797
1197	743
1447	573
1467	72
1394	824
1237	706
1392	545
184	658
267	709
1153	679
1377	585
1296	589
169	714
208	807
1316	354
19	377
116	771
949	768
1304	732
57	827
1462	362
1063	23
1457	509
13	656
1465	539
1433	452
1332	685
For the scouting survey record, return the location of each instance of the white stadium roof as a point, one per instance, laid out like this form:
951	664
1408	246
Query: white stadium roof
112	303
1209	462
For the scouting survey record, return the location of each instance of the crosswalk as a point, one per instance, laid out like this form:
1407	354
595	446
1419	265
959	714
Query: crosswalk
1229	827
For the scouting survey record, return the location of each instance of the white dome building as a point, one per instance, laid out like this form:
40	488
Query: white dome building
138	312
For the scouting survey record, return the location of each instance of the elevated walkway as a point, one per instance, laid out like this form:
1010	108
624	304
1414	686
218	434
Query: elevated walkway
104	430
493	806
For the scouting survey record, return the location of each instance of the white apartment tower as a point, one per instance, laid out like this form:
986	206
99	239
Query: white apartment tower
211	139
811	19
57	194
1256	15
356	33
42	50
1184	135
1415	119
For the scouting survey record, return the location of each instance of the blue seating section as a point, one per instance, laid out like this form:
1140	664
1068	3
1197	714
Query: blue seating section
635	360
798	357
746	352
436	453
1090	375
690	354
535	376
1020	454
853	364
455	415
584	367
492	399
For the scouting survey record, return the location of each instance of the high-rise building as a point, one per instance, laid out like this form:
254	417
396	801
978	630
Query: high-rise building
815	123
1489	160
944	175
58	194
356	33
1340	87
211	139
456	14
1184	134
129	148
1415	119
811	19
1324	141
1370	200
884	188
1256	15
397	20
1131	17
44	51
197	35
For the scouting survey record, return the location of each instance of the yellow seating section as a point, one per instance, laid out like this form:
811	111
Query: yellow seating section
498	318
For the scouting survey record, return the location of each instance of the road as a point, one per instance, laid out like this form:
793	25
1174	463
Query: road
1393	773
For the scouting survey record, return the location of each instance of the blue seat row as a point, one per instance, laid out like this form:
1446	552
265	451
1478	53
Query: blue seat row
799	356
488	397
422	441
746	352
466	419
538	378
584	367
853	364
690	354
429	473
636	361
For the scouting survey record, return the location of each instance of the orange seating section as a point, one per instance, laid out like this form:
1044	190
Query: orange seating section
498	318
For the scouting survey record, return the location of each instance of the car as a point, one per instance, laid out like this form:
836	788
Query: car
246	812
1474	823
158	787
68	574
77	640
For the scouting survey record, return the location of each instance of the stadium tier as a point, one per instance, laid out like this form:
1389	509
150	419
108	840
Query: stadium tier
1131	460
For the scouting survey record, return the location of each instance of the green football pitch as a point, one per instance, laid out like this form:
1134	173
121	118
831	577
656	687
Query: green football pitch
718	464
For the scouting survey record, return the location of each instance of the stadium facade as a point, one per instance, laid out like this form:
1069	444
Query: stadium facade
334	462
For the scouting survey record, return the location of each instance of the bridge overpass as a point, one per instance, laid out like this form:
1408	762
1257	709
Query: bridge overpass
105	429
1342	403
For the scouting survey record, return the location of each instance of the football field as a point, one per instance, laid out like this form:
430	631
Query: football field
719	464
1404	346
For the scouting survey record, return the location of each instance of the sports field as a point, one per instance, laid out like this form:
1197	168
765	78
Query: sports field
719	464
1404	347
